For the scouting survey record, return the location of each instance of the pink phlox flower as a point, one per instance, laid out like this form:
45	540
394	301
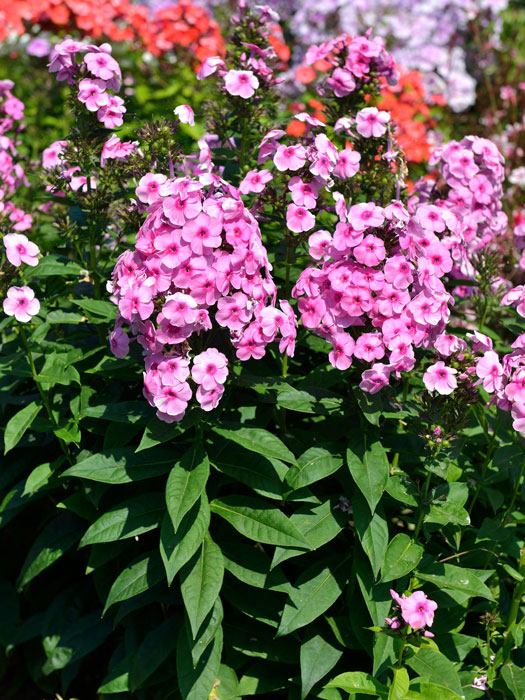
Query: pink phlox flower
273	321
369	347
209	400
19	249
210	66
447	344
319	244
255	181
93	94
119	343
430	218
209	369
180	309
312	310
371	122
202	233
299	219
398	272
137	301
148	189
417	610
361	216
348	162
185	114
173	399
102	65
440	378
21	303
243	83
233	312
179	208
304	194
480	341
371	251
343	346
51	156
341	82
289	157
375	378
489	369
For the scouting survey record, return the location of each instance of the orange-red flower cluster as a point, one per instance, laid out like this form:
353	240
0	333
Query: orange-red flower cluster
407	102
182	25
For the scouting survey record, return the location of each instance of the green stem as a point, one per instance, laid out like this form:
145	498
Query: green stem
484	313
515	492
43	394
421	513
519	591
400	655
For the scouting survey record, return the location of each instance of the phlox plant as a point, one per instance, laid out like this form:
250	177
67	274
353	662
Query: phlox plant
263	404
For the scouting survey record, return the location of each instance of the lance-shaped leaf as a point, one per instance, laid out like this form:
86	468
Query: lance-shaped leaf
186	482
318	655
401	557
129	519
201	581
368	465
260	441
314	592
313	465
196	682
18	424
136	578
259	521
121	465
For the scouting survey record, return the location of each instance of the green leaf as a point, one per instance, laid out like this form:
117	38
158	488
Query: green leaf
359	682
176	548
372	531
121	465
435	667
457	578
402	488
400	685
369	466
445	513
261	474
207	632
18	424
514	677
186	482
370	404
316	589
260	441
314	400
201	581
136	578
252	566
129	519
97	309
123	412
51	265
259	521
196	683
55	539
313	465
318	656
317	524
420	690
157	646
402	555
57	370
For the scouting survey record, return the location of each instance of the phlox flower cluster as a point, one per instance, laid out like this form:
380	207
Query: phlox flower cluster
354	60
247	74
463	206
197	283
474	364
96	73
20	301
12	174
416	611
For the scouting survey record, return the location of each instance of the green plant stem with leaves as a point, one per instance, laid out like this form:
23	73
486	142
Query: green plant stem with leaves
45	398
